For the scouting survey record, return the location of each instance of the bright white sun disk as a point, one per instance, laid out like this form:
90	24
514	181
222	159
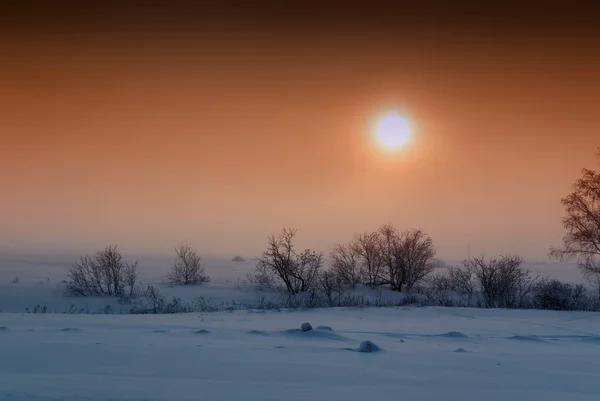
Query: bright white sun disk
392	131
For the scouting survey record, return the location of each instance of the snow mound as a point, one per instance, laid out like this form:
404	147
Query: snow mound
323	328
202	331
70	329
258	332
315	334
527	338
3	328
305	326
368	346
460	350
159	331
453	334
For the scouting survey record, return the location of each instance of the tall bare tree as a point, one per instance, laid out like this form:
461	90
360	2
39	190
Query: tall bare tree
298	271
582	224
187	268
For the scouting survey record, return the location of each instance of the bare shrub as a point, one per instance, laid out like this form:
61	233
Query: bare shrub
503	282
187	268
582	223
556	295
155	299
408	256
462	280
297	271
345	265
451	286
332	286
106	273
262	276
15	280
440	282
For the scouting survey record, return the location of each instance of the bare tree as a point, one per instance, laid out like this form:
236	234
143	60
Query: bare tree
582	223
368	247
503	281
187	268
297	271
408	256
345	264
106	273
416	256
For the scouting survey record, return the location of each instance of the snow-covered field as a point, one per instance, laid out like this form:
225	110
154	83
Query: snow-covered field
426	353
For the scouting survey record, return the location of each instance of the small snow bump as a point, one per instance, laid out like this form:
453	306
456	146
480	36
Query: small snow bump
3	328
70	329
202	331
324	328
258	332
527	338
460	350
453	334
368	346
159	331
315	334
305	326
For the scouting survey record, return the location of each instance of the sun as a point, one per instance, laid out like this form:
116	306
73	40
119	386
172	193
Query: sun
392	131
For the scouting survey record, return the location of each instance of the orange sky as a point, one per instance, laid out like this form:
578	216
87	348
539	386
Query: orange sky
151	138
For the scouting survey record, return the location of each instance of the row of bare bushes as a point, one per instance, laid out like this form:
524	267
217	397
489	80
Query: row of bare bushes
108	274
365	272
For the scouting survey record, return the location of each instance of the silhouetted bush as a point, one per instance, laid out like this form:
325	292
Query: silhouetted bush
297	271
346	265
556	295
187	268
503	282
408	256
332	286
155	299
106	273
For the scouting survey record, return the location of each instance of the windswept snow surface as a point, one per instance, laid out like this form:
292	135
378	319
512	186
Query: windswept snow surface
426	354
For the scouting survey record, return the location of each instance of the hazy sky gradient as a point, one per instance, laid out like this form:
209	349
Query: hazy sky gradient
145	130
